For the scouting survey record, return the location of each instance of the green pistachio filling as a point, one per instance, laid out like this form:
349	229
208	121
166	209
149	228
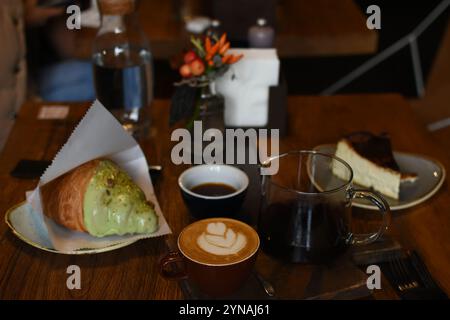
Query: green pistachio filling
115	205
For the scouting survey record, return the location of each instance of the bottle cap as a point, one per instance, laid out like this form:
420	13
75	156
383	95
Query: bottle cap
116	7
215	23
198	25
261	22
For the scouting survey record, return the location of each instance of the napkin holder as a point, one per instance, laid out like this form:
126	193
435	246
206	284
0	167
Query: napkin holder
277	114
254	91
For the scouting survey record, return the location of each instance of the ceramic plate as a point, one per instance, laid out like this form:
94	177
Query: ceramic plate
23	223
430	172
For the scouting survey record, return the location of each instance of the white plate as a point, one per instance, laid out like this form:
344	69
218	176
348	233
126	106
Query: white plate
23	223
430	173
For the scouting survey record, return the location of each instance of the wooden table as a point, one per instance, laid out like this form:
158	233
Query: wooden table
304	28
131	272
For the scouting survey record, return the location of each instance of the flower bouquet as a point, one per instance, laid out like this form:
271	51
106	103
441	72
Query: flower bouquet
207	60
202	65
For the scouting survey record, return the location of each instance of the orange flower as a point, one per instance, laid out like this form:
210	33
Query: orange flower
210	50
211	53
226	58
207	45
220	47
224	48
232	58
223	40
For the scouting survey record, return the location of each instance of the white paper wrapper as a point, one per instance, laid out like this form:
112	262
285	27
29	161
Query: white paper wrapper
98	134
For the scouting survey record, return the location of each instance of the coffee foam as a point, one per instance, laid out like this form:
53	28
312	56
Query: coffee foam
218	241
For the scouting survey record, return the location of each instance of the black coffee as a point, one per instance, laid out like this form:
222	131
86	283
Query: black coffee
213	189
304	232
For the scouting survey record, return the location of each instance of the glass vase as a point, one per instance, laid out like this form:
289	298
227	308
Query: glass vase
211	107
209	110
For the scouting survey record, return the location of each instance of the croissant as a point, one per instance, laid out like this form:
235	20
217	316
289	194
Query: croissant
98	198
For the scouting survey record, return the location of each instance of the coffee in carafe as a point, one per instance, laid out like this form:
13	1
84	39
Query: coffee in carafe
305	214
304	232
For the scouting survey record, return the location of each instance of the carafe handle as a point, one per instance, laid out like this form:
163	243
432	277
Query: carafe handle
376	199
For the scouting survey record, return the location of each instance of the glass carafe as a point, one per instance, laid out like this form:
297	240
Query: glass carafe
123	70
306	208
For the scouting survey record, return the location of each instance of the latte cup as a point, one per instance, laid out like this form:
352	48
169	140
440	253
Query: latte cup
217	255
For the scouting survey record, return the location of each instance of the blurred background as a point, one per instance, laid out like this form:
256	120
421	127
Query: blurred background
324	46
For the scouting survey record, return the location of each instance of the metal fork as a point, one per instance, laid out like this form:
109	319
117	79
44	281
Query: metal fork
402	277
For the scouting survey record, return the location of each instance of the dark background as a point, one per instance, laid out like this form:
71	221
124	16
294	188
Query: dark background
309	75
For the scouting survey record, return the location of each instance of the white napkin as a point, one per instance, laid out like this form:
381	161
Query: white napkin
246	87
98	134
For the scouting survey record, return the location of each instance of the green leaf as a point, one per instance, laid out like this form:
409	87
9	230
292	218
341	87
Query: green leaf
198	45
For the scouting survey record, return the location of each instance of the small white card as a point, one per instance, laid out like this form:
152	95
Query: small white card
53	112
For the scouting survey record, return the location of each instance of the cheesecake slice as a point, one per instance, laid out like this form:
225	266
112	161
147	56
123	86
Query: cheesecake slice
373	163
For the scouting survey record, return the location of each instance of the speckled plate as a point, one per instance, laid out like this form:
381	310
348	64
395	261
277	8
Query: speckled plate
25	225
430	172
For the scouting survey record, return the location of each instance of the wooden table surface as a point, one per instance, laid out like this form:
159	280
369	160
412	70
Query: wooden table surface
304	28
131	272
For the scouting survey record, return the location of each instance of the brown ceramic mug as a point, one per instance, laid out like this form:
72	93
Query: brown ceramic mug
217	255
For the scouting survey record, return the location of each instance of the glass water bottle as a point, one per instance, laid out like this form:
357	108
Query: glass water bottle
123	69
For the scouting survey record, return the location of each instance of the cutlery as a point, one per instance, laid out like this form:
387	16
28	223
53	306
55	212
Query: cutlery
402	277
267	286
155	168
155	172
409	275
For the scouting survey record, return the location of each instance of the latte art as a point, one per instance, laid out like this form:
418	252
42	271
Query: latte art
220	240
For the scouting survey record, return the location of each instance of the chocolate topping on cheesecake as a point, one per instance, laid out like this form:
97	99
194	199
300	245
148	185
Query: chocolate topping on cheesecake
374	148
378	149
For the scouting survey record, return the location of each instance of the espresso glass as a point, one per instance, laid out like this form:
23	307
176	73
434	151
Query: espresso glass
305	215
